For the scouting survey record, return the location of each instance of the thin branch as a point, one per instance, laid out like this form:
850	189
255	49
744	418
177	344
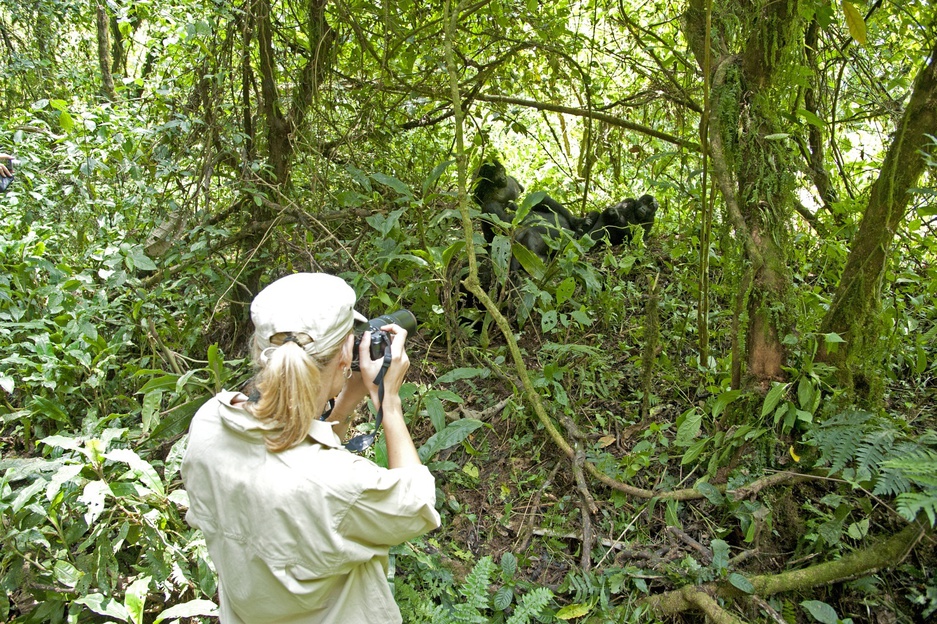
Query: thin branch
578	112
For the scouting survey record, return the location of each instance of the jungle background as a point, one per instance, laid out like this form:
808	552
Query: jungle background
730	419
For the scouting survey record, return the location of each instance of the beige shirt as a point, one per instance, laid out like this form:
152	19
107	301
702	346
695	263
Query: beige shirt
301	535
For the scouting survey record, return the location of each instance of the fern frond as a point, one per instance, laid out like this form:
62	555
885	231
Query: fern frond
873	450
910	504
531	605
843	448
475	588
891	482
919	467
838	438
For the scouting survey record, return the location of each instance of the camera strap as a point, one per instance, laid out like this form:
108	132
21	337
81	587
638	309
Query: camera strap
365	440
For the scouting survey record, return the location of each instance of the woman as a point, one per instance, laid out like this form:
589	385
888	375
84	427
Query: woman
298	527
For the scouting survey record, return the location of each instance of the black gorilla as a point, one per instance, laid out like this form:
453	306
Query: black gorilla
494	192
618	222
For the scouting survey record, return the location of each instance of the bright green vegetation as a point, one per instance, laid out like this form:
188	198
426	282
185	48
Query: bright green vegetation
733	417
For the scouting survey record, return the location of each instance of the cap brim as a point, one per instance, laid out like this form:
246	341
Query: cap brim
359	316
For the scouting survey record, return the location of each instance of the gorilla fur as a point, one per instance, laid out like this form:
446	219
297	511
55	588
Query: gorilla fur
495	192
619	222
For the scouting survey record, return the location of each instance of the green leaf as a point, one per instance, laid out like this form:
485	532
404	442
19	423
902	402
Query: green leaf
451	251
471	470
65	120
530	261
65	442
773	397
723	401
102	605
164	382
437	415
811	118
437	171
688	427
176	421
694	451
7	383
67	574
548	321
453	434
26	494
720	554
50	409
503	598
711	492
135	599
150	414
855	22
741	583
188	609
821	611
141	469
805	393
392	182
508	565
565	290
93	495
573	611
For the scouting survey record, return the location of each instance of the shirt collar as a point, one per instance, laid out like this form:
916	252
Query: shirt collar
242	421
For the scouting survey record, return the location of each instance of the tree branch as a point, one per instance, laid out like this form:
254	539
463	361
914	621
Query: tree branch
578	112
885	554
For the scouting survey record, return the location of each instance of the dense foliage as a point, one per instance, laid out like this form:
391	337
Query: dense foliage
711	407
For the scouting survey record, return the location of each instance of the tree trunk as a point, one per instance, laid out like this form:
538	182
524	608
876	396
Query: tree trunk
855	311
104	52
284	119
885	554
753	170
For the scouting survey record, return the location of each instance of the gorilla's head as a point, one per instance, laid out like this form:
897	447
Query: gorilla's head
645	209
493	184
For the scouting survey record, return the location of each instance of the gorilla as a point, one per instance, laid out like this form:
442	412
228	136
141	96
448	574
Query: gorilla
619	222
495	191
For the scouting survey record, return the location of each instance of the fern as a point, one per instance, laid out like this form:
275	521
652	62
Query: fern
531	605
920	467
859	446
475	588
872	452
910	504
892	481
838	438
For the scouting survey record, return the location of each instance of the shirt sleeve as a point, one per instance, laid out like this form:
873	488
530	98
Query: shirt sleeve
395	505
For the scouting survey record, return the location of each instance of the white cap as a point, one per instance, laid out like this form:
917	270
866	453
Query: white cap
316	304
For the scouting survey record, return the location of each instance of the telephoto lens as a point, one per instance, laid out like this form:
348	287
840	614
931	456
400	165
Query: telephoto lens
379	339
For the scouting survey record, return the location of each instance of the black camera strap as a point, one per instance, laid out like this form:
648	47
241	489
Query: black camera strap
365	440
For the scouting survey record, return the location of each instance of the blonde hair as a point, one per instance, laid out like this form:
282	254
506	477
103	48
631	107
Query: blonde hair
289	381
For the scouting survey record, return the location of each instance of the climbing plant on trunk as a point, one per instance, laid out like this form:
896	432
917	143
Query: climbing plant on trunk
751	162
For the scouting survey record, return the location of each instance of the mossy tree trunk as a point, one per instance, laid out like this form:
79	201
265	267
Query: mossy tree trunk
855	313
283	116
751	162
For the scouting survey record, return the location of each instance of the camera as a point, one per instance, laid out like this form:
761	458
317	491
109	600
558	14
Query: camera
5	181
380	339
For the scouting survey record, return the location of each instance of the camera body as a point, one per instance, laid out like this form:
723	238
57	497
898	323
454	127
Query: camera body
380	339
5	181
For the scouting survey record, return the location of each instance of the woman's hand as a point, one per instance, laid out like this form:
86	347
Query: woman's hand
3	170
399	363
401	451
